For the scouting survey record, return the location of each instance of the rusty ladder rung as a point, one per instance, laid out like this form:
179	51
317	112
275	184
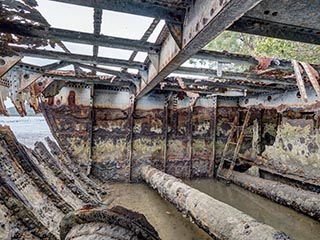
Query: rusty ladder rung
238	145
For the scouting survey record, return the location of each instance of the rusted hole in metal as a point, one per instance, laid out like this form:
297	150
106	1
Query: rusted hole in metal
204	21
26	76
269	98
246	101
267	12
2	62
72	98
298	95
275	14
211	11
40	84
50	101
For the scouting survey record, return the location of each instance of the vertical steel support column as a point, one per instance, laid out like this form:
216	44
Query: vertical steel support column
193	102
165	131
190	141
130	142
91	119
213	133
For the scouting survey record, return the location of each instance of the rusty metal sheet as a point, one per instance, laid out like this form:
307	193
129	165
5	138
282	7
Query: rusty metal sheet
300	82
313	76
6	63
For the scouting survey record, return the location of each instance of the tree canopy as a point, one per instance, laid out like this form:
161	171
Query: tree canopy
234	42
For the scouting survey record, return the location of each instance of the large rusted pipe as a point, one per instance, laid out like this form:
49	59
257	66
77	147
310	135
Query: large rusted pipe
216	218
301	200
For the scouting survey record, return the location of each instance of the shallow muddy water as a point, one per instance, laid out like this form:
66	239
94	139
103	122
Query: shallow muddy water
171	225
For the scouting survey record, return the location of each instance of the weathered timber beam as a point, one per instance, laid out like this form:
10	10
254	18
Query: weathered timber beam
72	167
14	201
204	21
41	32
32	169
64	174
77	58
301	200
218	219
236	76
137	7
276	30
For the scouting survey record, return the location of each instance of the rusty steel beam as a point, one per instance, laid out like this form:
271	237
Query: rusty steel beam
130	136
300	82
6	63
165	130
51	33
211	83
137	7
77	58
218	219
122	74
213	133
267	28
146	36
284	101
214	92
236	76
204	21
313	76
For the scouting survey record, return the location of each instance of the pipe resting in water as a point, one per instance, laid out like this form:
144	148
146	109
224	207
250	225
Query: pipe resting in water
218	219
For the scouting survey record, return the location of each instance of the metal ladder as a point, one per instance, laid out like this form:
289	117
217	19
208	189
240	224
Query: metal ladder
238	144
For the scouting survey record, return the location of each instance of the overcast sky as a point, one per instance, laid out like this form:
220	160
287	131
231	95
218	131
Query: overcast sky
78	18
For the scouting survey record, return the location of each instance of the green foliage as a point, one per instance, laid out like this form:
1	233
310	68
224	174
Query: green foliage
234	42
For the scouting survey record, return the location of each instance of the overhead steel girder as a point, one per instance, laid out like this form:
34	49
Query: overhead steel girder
6	63
276	30
204	21
77	58
284	101
34	31
222	84
236	76
137	7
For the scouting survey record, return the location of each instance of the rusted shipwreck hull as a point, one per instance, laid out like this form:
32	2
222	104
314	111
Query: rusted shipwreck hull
44	196
114	135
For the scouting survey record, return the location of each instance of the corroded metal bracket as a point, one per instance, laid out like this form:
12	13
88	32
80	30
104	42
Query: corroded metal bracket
6	63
